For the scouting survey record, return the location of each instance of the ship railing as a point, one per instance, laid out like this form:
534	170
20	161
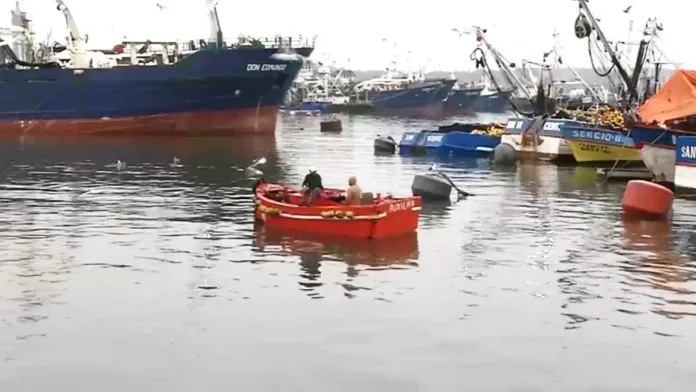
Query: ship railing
266	42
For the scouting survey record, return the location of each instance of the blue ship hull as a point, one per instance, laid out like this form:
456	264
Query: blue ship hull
655	136
456	141
211	92
492	103
461	102
422	99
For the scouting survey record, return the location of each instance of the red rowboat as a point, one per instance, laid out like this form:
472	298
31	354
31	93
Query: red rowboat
278	207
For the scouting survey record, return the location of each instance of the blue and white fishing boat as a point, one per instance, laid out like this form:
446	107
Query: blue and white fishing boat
550	145
453	140
685	166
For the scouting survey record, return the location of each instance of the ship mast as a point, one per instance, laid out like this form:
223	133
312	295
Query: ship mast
502	63
585	11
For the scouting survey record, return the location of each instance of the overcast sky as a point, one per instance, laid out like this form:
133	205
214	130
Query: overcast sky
368	33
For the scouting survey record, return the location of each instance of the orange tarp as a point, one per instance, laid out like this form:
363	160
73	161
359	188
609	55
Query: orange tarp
675	100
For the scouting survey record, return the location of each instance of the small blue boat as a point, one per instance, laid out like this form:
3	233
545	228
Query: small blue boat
453	140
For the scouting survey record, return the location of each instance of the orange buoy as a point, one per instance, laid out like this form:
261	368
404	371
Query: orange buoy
646	199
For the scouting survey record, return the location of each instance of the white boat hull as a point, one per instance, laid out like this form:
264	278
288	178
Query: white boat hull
551	148
685	176
659	161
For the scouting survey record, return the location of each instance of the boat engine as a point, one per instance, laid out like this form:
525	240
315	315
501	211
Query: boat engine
435	186
430	186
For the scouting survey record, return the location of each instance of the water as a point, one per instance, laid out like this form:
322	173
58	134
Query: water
153	276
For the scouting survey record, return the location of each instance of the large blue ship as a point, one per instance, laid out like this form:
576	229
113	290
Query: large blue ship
402	95
217	89
472	100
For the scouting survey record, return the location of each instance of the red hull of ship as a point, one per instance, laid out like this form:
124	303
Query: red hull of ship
218	123
387	217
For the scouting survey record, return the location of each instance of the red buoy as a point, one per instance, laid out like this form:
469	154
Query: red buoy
646	200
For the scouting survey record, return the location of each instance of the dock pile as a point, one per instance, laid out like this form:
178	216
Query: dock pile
603	116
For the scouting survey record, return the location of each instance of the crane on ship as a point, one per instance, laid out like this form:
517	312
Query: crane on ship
552	61
80	57
537	100
215	29
586	24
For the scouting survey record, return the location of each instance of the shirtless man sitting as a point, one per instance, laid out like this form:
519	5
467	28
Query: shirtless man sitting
353	193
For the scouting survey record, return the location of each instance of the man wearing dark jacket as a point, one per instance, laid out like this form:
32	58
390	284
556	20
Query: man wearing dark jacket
311	186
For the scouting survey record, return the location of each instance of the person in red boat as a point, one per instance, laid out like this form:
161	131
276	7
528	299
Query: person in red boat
353	193
311	187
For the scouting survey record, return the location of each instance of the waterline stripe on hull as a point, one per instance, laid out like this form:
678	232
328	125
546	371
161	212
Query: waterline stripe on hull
261	120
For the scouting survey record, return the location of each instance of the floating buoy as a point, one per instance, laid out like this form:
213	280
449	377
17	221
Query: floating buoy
333	125
350	214
646	199
340	214
504	154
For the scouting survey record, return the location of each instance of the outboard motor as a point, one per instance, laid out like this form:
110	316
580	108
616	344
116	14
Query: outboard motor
435	186
385	144
430	186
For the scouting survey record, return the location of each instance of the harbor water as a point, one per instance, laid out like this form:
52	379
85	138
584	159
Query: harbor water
150	274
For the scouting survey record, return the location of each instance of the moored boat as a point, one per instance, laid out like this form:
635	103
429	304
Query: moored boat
685	165
452	140
405	95
593	144
460	101
217	90
673	107
278	207
545	145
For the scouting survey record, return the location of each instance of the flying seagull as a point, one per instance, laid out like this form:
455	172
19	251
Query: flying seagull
628	9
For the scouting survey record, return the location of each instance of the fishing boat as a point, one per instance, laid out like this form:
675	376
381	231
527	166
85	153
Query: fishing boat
460	101
218	90
319	87
452	140
597	145
665	117
278	207
546	144
469	99
403	94
685	165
